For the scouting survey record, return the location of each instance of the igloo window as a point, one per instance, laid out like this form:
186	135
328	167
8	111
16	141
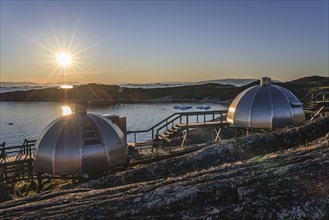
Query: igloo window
93	141
90	133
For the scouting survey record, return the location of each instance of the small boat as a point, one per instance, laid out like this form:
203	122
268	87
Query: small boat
203	107
182	107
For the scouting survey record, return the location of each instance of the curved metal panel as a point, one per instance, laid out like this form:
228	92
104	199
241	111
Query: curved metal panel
115	140
44	147
265	106
261	110
298	114
93	154
66	155
242	110
94	158
282	115
235	114
291	97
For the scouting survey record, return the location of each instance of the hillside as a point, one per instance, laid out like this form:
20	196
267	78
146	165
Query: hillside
111	93
106	94
278	175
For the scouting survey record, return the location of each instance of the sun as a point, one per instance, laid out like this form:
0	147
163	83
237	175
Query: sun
64	59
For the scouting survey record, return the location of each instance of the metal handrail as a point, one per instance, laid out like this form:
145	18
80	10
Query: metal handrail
314	95
3	152
168	120
26	149
19	151
323	93
151	128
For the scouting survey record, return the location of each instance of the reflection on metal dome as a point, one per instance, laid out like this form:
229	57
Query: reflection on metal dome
266	106
80	143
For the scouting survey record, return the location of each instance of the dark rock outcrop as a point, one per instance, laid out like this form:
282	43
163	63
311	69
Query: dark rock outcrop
107	94
277	175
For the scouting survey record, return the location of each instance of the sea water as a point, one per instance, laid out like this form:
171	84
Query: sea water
26	120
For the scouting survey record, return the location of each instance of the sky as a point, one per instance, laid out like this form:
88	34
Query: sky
163	41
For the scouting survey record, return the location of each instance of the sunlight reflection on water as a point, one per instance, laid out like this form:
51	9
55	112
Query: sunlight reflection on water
66	110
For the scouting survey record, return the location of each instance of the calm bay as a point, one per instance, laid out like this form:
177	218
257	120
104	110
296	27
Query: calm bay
26	120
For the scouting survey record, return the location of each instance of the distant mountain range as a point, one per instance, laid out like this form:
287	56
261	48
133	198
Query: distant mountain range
235	82
31	84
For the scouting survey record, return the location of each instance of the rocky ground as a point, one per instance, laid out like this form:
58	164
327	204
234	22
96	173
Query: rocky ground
282	174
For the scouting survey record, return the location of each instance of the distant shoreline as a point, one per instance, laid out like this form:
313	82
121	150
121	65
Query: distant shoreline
105	103
99	94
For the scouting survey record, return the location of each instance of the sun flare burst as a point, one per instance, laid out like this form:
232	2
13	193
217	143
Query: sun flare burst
64	59
64	53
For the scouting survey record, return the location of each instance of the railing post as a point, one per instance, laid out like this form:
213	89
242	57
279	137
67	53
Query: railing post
152	133
187	130
6	174
25	146
135	137
4	155
30	151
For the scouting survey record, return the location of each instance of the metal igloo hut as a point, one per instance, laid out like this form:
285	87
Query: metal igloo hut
266	106
80	143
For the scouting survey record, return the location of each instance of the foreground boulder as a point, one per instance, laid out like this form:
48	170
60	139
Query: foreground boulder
279	175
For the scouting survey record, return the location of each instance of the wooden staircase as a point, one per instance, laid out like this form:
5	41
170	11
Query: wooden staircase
316	104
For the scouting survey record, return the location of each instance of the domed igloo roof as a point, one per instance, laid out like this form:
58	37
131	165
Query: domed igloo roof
266	106
80	144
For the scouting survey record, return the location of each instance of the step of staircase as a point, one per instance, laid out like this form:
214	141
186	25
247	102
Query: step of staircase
165	138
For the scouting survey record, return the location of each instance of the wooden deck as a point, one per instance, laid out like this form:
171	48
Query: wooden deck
14	159
145	154
203	124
